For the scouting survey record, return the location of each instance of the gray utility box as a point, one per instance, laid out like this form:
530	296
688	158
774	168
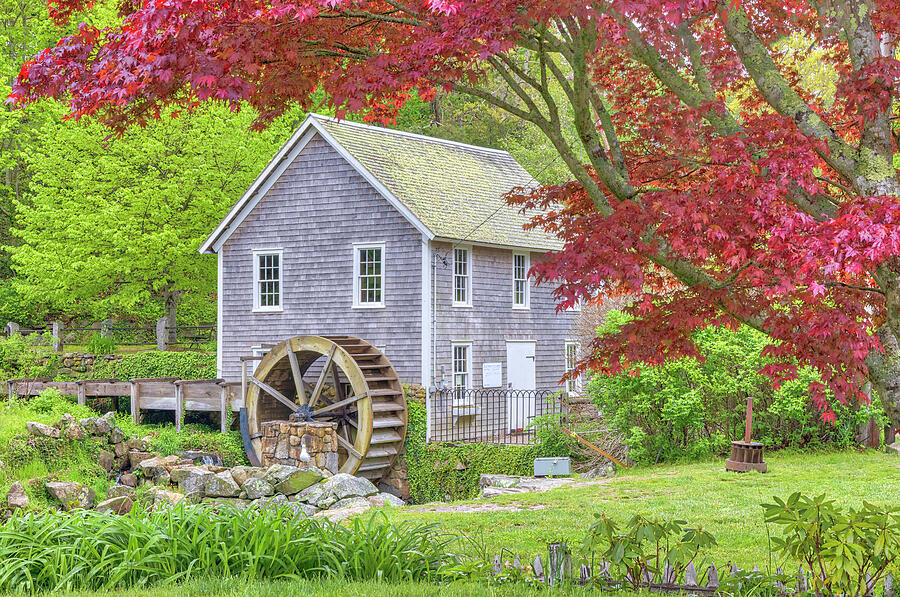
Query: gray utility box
552	467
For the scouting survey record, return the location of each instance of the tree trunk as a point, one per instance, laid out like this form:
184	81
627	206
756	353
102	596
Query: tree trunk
884	369
884	373
171	299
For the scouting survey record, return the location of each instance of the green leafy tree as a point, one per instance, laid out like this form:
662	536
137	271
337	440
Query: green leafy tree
695	407
111	227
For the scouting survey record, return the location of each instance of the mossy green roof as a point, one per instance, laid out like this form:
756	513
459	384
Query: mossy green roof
456	190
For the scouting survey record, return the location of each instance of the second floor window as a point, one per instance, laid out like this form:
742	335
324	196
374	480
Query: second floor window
520	281
462	278
267	282
368	281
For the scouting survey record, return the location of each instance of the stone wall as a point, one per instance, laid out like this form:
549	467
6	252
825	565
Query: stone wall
73	363
282	443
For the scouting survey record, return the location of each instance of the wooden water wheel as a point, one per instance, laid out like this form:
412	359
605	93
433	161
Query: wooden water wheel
338	379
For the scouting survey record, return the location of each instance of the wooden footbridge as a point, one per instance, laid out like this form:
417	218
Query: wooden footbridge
158	393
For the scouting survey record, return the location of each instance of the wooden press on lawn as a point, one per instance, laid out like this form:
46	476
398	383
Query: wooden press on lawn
746	455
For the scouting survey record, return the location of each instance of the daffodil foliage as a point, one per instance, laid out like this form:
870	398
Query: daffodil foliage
710	181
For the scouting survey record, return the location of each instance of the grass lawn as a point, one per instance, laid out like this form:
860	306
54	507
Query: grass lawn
726	504
334	588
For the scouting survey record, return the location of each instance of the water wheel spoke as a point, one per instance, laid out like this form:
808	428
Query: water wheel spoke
336	405
274	393
348	446
298	377
338	386
320	383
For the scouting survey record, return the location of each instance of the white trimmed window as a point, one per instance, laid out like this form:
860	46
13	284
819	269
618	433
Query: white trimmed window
521	288
462	277
368	277
573	386
461	353
267	274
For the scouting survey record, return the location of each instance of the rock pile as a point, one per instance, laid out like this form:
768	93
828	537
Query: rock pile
308	491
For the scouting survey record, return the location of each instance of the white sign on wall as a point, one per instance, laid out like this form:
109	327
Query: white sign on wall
492	375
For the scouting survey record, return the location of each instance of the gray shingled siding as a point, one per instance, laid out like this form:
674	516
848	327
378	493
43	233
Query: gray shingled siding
492	321
316	210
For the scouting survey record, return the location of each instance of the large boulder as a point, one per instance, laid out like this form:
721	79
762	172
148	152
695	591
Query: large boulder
117	505
141	444
16	498
300	480
342	513
351	502
107	460
121	490
156	465
242	473
65	421
221	485
41	430
162	498
304	509
310	495
71	495
277	473
116	436
257	488
136	457
385	499
74	431
128	479
342	486
233	502
191	480
96	425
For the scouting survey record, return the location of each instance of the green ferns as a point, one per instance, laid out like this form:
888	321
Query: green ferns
87	550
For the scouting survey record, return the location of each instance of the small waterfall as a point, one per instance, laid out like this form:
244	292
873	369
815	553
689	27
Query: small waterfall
200	457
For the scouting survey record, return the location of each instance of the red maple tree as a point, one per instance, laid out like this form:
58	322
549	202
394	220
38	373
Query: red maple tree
708	182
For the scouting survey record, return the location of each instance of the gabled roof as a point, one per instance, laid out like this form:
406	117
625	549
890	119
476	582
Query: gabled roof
447	190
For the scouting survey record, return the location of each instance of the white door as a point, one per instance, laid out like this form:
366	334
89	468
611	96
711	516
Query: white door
520	377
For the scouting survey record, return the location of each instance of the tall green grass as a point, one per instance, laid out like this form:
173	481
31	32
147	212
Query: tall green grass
85	550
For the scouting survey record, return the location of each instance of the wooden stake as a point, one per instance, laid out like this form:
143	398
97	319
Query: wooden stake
748	420
593	447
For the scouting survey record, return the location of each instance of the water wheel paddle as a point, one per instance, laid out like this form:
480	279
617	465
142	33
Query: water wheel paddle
339	379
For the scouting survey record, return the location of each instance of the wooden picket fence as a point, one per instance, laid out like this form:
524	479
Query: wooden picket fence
559	571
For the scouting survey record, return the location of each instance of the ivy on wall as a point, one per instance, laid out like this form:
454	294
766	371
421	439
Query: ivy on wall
154	363
448	471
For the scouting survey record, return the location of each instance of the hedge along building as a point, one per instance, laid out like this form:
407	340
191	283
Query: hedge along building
400	239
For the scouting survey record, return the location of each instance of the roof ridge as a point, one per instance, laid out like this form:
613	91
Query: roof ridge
382	129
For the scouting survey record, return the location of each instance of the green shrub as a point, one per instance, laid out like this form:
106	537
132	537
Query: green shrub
691	408
86	550
842	552
448	471
101	345
153	363
28	357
